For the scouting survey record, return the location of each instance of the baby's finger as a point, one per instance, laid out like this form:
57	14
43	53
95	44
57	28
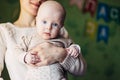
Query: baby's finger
34	53
67	49
71	51
76	55
72	54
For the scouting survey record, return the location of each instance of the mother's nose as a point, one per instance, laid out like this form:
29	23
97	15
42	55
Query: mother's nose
41	1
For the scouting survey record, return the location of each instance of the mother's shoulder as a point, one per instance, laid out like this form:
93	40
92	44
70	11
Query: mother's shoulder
5	24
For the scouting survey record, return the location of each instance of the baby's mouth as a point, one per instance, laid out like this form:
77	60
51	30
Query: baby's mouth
46	33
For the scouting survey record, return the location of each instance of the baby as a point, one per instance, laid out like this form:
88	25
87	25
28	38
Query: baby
49	21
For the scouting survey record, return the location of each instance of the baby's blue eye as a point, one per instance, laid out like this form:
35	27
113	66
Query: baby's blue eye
44	22
55	25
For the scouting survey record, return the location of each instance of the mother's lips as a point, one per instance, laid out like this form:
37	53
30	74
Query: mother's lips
35	4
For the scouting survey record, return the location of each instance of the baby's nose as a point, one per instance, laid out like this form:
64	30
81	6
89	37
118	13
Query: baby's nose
49	26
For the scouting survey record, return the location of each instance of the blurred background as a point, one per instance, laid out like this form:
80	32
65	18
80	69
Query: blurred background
94	25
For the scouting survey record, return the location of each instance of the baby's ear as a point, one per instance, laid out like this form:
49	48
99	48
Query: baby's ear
63	32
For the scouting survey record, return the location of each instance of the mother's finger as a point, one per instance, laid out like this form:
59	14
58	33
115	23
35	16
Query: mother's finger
43	63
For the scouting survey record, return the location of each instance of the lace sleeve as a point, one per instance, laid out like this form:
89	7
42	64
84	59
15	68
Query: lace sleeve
2	50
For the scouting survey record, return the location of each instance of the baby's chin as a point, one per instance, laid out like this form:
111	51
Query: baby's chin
46	37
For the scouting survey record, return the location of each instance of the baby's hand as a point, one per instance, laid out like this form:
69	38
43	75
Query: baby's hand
73	51
32	58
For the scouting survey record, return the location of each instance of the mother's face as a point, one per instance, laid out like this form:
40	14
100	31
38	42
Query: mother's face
30	6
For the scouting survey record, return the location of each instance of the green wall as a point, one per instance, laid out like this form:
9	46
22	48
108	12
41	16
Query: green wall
102	59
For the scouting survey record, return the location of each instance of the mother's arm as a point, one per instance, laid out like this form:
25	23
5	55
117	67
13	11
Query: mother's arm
50	54
2	52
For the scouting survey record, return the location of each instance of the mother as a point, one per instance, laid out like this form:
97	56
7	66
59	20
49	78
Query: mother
21	32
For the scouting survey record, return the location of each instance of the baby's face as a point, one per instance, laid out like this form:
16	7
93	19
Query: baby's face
48	22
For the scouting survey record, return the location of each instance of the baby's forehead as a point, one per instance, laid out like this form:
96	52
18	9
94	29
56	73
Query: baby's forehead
52	5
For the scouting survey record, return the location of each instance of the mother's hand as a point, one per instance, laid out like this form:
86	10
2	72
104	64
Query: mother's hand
49	53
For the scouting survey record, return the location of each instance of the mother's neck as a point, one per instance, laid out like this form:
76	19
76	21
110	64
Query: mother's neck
25	21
